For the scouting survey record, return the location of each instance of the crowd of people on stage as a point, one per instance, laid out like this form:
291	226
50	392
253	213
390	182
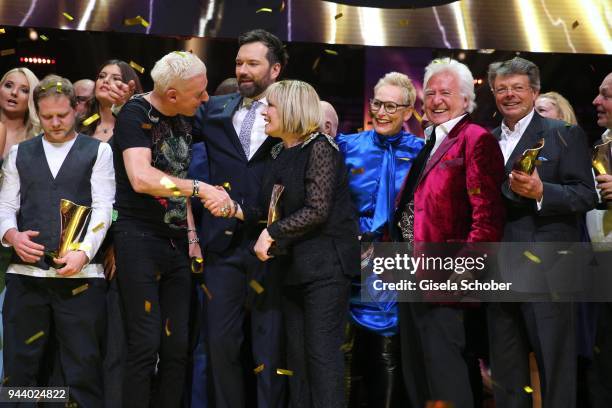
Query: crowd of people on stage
215	223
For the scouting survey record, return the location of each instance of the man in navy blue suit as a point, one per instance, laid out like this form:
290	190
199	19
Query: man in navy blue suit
237	146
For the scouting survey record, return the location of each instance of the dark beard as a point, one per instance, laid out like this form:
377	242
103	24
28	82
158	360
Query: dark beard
250	91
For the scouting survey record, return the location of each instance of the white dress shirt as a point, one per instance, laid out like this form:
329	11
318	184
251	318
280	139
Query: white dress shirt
442	130
258	134
102	199
510	138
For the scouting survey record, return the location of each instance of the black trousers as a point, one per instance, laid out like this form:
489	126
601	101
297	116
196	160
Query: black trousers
31	306
155	289
549	330
315	315
227	278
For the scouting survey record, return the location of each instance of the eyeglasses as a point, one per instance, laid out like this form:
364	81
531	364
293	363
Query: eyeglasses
517	89
390	107
83	99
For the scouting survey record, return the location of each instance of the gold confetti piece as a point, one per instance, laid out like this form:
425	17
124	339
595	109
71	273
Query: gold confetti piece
137	67
68	16
58	87
4	380
346	347
315	65
264	10
404	158
2	31
181	53
256	286
282	6
98	227
474	191
35	337
227	186
330	52
166	182
528	389
206	291
358	170
259	369
157	276
337	16
6	52
146	126
167	327
417	116
282	371
147	306
564	252
403	22
575	24
91	119
80	246
44	37
135	21
532	257
80	289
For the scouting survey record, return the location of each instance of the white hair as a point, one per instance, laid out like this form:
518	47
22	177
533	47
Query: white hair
461	72
176	66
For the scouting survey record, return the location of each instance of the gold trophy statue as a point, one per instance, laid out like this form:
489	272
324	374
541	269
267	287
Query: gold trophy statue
527	161
274	214
602	158
73	220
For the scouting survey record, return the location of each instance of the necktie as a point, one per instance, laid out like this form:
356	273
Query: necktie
406	222
385	197
247	127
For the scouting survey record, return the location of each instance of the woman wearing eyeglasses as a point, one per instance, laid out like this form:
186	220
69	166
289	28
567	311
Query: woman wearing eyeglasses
112	74
378	160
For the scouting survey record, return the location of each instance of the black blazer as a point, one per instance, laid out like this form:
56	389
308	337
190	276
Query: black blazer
228	164
569	192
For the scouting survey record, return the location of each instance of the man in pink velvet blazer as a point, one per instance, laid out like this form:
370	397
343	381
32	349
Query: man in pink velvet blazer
455	197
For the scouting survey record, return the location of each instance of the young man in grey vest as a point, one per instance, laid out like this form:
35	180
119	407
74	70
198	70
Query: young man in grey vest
62	296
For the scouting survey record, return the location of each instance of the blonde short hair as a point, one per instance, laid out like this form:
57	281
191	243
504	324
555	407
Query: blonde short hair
298	106
566	112
403	82
30	120
174	67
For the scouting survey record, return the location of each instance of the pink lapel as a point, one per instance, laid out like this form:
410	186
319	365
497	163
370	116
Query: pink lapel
450	140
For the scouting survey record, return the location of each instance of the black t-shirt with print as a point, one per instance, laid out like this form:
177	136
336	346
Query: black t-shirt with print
139	124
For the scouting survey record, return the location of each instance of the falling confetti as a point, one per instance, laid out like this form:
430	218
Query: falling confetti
68	16
532	257
337	16
167	327
403	22
282	371
181	53
227	186
417	116
137	67
44	37
6	52
169	184
135	21
2	31
315	65
564	252
80	289
282	6
575	24
91	119
528	389
147	306
206	291
80	246
330	52
256	286
58	87
259	369
474	191
264	10
358	170
98	227
35	337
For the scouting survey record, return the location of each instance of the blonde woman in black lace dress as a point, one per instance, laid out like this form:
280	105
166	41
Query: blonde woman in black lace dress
317	235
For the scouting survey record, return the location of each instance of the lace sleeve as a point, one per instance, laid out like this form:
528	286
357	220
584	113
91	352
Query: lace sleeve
319	180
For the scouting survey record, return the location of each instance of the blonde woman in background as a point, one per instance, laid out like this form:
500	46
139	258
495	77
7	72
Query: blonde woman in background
553	105
17	111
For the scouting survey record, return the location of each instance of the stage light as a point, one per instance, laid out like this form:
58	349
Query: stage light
37	60
33	34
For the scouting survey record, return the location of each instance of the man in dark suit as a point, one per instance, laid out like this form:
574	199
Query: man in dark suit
545	206
451	194
237	146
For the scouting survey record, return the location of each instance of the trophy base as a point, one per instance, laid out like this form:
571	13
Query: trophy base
48	258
